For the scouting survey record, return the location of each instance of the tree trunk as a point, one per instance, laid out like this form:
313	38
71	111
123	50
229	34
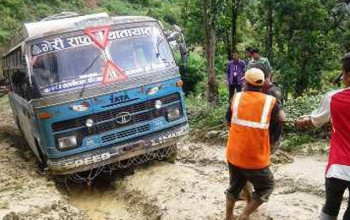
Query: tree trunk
205	25
209	32
213	87
235	6
227	44
269	27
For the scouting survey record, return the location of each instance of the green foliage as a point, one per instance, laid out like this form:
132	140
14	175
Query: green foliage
306	41
295	142
118	7
302	105
14	12
191	21
203	116
294	137
194	73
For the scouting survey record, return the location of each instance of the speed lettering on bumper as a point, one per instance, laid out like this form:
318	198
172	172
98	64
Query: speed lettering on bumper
119	152
87	161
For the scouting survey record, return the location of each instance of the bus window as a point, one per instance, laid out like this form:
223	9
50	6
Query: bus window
66	65
141	54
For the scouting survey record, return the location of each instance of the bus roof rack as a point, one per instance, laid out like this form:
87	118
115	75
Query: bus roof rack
64	14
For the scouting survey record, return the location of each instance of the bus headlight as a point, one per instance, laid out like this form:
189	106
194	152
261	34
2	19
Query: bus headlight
89	123
158	104
173	114
67	142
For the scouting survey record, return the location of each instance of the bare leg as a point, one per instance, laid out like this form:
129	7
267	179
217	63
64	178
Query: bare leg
247	191
230	205
249	209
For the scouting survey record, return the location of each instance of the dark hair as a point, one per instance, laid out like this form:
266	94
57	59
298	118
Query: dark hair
262	68
234	51
254	50
346	63
248	49
251	87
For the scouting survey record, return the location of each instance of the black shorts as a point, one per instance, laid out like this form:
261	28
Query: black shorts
262	181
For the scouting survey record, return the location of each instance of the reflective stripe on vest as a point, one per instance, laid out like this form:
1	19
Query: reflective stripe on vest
263	124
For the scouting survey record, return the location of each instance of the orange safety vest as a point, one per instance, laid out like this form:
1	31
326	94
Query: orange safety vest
248	145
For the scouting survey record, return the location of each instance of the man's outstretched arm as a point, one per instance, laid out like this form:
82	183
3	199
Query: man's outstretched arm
318	117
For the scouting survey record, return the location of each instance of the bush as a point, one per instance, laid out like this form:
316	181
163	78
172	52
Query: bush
194	73
293	142
301	106
294	108
204	117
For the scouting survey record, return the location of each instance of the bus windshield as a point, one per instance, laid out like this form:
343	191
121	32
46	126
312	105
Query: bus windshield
66	63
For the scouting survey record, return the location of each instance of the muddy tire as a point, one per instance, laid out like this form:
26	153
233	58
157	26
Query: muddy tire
172	156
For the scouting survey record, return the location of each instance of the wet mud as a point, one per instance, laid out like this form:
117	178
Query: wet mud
192	188
26	192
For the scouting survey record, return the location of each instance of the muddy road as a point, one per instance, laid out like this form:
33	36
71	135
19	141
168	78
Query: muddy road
192	188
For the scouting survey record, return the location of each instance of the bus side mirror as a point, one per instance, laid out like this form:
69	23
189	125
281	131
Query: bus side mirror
176	40
18	77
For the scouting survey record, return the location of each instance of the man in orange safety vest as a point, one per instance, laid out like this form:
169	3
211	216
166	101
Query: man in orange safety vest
251	116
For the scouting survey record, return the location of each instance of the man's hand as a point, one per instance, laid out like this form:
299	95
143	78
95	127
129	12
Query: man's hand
3	91
303	122
282	116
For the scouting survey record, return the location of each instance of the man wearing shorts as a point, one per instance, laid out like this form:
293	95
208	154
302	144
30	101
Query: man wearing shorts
251	114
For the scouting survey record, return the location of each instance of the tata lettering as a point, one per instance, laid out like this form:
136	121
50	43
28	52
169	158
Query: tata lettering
120	98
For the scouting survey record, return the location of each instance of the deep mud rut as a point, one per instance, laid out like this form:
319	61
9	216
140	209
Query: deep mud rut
25	191
192	188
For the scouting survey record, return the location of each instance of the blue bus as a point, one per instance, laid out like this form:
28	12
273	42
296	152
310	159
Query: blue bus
91	91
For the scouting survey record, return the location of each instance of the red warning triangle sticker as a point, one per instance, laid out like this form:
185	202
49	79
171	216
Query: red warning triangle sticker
99	35
113	73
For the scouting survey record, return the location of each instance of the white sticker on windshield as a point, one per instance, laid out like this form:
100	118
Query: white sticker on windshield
74	83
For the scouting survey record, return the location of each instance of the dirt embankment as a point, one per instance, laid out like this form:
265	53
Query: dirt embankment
192	188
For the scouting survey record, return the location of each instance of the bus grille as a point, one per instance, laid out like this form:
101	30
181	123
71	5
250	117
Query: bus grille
125	133
105	121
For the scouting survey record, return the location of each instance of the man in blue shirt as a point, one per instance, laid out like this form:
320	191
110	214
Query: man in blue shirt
235	73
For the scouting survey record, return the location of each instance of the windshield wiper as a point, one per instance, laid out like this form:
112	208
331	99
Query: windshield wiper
87	69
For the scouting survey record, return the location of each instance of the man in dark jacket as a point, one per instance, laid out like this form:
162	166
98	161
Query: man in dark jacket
235	73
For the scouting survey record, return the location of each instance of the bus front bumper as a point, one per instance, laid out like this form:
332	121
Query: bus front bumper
117	152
